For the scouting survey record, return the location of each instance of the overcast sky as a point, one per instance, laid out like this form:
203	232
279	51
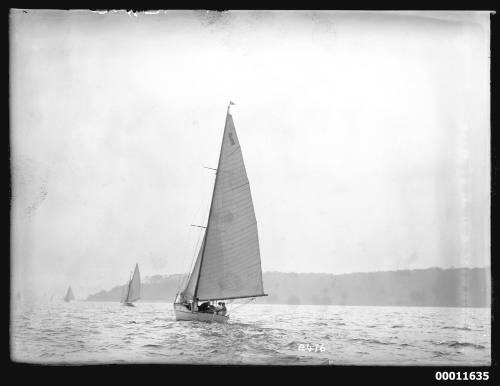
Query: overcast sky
365	137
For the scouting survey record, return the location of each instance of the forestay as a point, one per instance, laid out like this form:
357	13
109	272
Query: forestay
188	292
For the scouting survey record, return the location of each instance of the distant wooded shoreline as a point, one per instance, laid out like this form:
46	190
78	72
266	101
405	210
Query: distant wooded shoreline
431	287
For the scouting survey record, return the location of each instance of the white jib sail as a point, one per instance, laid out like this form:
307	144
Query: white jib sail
188	292
230	262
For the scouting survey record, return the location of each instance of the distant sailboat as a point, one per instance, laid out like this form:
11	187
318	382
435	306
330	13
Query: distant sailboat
132	290
69	295
228	263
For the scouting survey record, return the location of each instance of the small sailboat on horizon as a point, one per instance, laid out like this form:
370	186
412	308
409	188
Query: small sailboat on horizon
132	290
228	265
69	295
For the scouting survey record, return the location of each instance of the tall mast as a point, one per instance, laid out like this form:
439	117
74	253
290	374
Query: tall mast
211	204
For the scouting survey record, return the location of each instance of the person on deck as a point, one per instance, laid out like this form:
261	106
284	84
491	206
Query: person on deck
221	310
203	307
184	301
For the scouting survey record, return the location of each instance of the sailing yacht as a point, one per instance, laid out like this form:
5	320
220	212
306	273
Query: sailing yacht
69	295
228	262
132	290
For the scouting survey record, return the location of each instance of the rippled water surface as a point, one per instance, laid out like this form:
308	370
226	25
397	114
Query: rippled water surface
102	332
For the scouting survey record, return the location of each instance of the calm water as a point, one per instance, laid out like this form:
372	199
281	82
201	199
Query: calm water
102	332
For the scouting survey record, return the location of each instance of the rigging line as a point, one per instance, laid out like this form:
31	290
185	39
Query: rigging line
197	244
186	252
183	279
246	183
230	154
193	259
204	221
241	305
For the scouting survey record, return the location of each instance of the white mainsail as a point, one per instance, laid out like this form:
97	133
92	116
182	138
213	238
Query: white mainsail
228	264
69	295
132	291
